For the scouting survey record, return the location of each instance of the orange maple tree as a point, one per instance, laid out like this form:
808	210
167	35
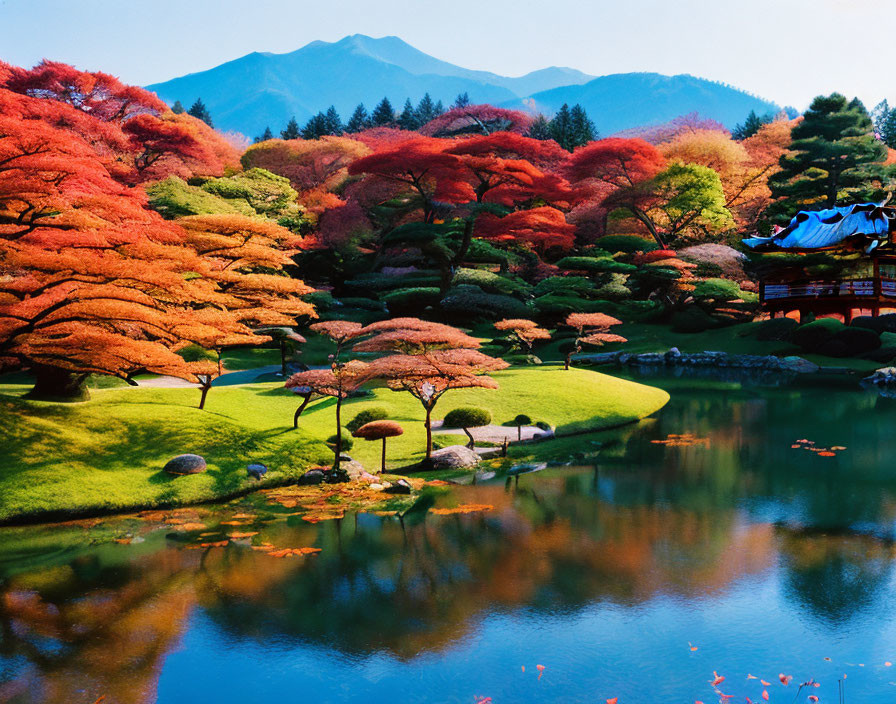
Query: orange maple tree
522	333
427	360
591	329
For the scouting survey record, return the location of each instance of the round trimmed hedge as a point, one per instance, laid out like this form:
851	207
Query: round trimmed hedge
467	417
366	416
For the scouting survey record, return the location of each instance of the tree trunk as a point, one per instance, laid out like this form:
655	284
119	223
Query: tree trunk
467	239
295	418
205	388
57	384
338	431
519	433
428	433
568	360
383	463
472	442
283	357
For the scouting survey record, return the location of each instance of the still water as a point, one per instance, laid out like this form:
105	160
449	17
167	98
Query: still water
635	571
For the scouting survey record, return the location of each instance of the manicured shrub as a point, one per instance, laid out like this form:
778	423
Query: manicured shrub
884	355
880	324
472	302
776	329
595	265
850	342
362	303
467	417
811	336
626	243
195	353
347	440
692	320
366	416
717	290
564	285
409	300
322	300
491	282
387	282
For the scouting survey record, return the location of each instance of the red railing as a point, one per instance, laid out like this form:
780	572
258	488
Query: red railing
855	288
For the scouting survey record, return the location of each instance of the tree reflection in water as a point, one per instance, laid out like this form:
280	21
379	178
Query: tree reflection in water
82	616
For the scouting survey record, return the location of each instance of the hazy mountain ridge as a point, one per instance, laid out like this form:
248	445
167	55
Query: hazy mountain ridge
264	89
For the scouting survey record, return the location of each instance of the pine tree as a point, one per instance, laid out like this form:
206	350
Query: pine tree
540	128
316	127
462	100
291	131
887	130
359	120
426	110
199	111
439	108
178	108
750	125
582	129
333	122
834	158
561	127
264	136
407	120
383	114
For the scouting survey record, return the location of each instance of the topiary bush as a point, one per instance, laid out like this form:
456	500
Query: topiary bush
472	302
850	342
811	336
626	243
692	320
411	300
776	329
717	290
491	282
467	417
366	416
595	265
564	285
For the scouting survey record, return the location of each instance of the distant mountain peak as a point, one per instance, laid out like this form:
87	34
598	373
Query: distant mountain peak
264	89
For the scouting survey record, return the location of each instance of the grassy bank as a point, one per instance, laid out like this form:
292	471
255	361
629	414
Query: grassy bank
106	454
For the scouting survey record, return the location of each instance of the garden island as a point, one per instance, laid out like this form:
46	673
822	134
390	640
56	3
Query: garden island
441	387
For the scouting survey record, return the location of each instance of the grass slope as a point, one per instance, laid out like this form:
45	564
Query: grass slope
107	454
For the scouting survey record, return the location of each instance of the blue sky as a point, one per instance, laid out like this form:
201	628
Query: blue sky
785	50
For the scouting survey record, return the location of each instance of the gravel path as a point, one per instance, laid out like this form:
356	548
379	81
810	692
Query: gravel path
493	433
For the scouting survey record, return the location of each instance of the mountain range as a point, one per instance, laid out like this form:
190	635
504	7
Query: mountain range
264	89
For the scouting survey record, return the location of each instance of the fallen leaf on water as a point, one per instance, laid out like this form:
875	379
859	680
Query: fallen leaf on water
752	677
190	526
243	516
692	647
540	669
838	448
234	523
827	454
292	552
828	659
888	664
813	698
524	668
466	508
718	679
237	536
217	544
765	694
123	541
785	679
614	700
795	447
438	482
765	684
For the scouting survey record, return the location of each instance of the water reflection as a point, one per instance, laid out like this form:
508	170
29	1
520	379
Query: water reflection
788	545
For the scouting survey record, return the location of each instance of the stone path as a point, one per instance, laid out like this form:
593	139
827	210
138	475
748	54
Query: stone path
494	433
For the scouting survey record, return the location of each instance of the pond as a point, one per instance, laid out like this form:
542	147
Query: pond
635	572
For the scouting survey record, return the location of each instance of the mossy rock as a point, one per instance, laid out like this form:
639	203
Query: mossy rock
185	464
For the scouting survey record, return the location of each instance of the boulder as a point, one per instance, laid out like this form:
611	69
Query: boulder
454	457
798	365
185	464
256	470
312	476
399	487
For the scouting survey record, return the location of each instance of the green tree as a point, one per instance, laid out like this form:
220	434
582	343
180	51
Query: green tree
884	120
333	122
178	108
426	110
462	100
359	120
540	128
834	157
291	131
264	136
751	125
407	120
688	203
199	111
383	114
561	127
582	129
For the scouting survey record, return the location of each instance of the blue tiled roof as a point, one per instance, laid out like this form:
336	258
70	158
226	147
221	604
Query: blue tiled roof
825	228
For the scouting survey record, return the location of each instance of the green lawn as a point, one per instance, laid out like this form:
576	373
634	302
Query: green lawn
106	454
